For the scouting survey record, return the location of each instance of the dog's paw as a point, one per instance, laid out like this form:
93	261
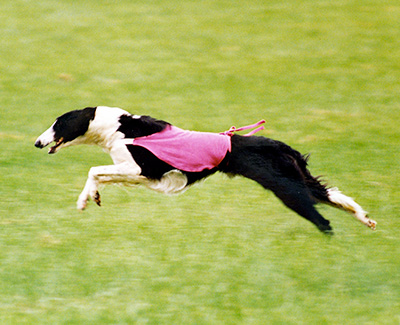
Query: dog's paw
84	199
82	202
371	224
81	206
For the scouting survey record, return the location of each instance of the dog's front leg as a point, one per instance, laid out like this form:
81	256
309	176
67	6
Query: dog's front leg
122	173
85	195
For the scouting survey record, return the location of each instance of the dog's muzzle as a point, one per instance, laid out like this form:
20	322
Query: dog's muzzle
40	144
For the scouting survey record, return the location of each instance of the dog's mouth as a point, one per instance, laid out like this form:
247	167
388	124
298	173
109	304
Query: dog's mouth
54	148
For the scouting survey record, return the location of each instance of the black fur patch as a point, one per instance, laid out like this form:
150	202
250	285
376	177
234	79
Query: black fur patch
140	127
154	168
73	124
151	166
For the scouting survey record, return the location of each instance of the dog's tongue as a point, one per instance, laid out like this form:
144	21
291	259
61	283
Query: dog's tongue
54	148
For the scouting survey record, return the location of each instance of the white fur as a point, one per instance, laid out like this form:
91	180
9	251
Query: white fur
348	204
47	136
103	132
172	182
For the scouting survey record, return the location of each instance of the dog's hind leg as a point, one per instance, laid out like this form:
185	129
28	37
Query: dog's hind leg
341	201
297	197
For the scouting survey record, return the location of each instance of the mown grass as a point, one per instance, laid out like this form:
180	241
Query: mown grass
325	76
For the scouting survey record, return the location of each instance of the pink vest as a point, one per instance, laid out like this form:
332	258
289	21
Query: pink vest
190	151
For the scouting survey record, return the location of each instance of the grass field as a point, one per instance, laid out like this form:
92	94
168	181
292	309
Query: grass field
326	77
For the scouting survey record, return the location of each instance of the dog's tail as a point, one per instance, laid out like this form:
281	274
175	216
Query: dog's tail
318	190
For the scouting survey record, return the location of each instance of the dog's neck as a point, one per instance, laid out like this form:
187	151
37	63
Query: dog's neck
103	133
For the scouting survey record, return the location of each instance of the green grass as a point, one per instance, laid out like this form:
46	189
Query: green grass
325	75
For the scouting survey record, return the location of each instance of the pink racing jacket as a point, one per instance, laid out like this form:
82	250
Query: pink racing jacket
191	151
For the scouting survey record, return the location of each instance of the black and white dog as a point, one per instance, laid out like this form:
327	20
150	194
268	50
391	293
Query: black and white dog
271	163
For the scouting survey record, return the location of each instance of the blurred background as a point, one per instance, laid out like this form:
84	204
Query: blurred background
324	75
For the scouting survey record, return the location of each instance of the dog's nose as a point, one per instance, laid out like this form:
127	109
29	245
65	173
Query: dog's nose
38	144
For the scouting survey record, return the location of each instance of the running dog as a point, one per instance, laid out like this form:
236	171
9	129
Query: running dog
168	159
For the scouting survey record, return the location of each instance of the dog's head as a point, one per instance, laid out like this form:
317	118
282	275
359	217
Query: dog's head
68	129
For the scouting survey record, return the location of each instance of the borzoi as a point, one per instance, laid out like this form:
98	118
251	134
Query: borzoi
168	159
